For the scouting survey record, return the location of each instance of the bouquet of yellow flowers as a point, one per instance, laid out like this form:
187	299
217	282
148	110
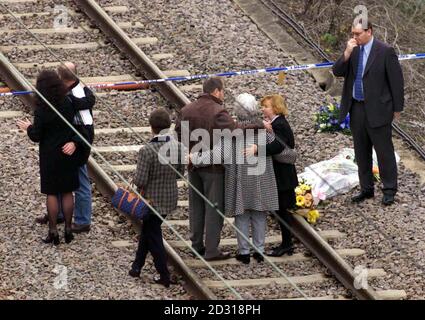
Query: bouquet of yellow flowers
305	203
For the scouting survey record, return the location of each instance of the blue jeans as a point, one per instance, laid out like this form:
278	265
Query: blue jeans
83	201
82	205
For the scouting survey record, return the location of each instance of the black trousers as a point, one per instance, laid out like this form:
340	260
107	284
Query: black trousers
151	241
365	138
287	200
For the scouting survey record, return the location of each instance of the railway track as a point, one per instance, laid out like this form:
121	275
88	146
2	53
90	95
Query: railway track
119	144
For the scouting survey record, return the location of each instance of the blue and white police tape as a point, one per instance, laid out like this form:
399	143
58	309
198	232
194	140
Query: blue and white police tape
225	74
15	93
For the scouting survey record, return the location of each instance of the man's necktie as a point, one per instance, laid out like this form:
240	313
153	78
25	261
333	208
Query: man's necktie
358	85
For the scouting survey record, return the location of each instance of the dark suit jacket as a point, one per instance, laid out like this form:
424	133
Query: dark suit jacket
286	174
383	84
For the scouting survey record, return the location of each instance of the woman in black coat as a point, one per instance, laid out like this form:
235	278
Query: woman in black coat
58	169
275	110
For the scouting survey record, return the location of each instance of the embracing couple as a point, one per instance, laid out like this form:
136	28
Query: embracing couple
230	186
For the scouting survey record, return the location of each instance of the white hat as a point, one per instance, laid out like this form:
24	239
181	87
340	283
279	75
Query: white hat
247	101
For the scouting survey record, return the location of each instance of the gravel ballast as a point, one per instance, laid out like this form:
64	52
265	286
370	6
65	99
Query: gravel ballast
222	40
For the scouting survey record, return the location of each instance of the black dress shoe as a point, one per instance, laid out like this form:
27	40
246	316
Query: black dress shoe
388	199
80	228
201	252
68	236
281	250
164	281
52	237
362	196
258	257
134	273
221	256
244	258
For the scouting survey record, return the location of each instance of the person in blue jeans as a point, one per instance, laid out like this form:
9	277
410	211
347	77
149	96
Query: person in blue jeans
83	101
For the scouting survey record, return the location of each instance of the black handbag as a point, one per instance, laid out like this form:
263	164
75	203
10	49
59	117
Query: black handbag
288	155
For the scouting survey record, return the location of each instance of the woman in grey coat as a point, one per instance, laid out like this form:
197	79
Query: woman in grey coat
250	185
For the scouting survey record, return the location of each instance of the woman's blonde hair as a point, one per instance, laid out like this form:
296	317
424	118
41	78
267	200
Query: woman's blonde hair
278	104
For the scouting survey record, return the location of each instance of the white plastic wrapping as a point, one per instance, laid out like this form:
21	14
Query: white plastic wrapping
335	176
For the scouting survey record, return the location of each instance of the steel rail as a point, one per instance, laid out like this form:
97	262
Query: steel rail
270	4
329	257
170	92
409	140
139	59
16	81
13	78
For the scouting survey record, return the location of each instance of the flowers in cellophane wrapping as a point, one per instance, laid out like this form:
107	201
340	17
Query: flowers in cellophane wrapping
306	203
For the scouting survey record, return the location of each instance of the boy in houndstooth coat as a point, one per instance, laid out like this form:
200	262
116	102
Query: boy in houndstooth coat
156	180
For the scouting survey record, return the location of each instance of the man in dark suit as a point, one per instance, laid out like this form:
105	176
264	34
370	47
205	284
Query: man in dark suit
373	94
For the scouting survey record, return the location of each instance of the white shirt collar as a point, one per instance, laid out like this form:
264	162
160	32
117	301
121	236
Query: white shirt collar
275	117
368	46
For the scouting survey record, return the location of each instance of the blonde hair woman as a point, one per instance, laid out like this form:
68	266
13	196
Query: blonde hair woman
277	104
275	110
